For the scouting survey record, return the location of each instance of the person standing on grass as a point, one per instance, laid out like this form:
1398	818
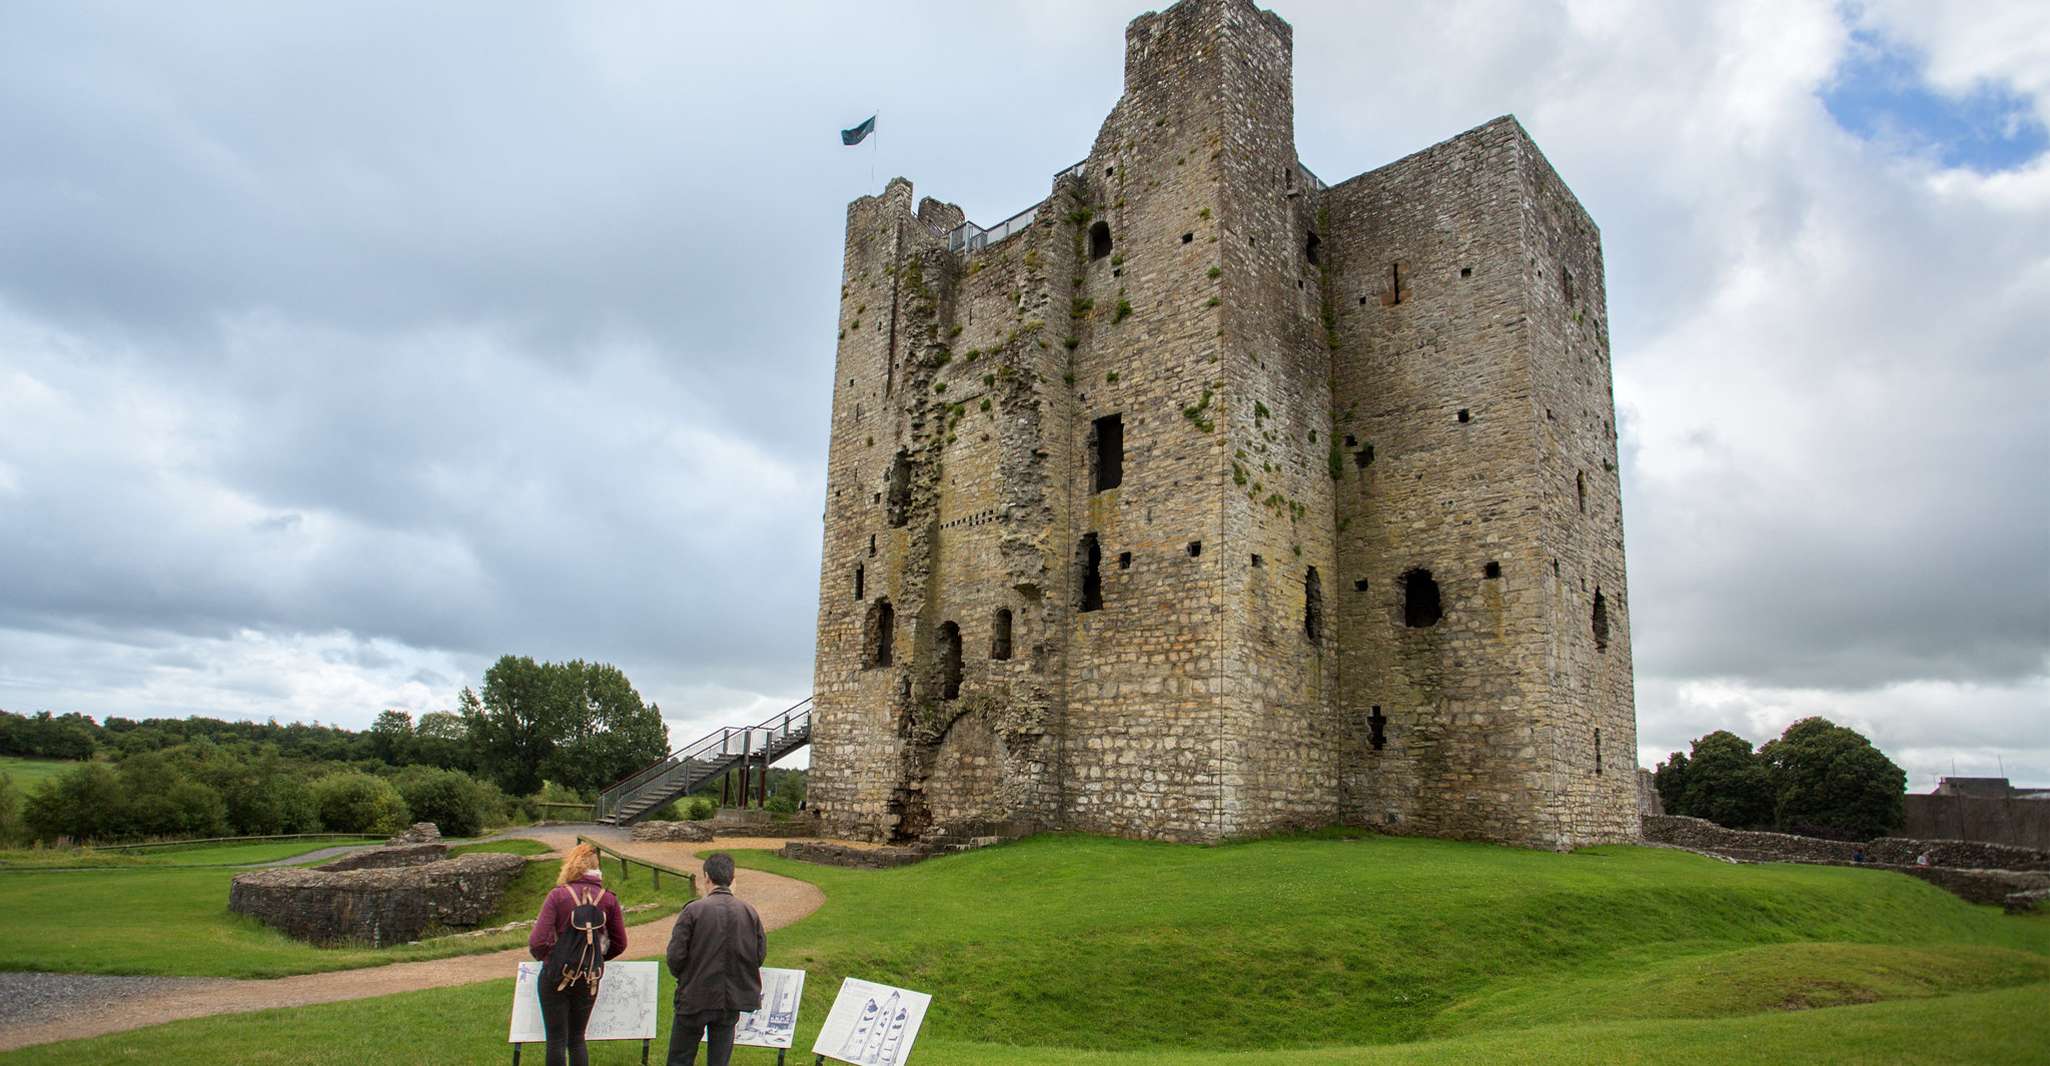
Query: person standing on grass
580	928
716	953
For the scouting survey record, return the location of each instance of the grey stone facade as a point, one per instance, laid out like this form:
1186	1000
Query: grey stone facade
1215	501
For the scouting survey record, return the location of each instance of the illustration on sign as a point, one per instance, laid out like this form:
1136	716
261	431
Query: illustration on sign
872	1024
625	1009
775	1025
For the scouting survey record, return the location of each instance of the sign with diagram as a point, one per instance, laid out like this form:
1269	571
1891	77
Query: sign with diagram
625	1009
775	1025
872	1024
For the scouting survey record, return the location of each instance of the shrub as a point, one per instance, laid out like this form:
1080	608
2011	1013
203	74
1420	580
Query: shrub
82	803
454	801
12	829
355	802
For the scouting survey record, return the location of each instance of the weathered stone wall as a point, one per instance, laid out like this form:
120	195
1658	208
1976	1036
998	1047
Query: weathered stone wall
1191	280
672	832
390	905
1703	835
388	856
2021	822
859	858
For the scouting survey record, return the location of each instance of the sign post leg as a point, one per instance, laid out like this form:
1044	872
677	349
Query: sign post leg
516	1055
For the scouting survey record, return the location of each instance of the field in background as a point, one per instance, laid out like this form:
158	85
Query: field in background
155	919
1320	950
28	773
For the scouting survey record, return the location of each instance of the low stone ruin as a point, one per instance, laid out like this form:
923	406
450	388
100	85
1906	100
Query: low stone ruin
417	833
672	832
382	896
2000	874
829	854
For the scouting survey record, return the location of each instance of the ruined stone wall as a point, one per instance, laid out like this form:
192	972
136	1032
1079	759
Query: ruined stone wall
1318	391
380	906
1591	709
1431	384
1282	742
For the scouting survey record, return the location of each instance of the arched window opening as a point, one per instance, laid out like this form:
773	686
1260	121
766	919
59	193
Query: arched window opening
1580	490
1000	635
1099	240
859	574
878	633
1420	604
1597	752
1310	249
950	661
1601	621
1377	729
1313	605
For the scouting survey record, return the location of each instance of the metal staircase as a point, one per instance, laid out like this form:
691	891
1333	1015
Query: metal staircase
676	774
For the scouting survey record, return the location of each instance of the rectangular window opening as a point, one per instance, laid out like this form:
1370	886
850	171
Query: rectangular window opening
1090	555
1195	548
1107	452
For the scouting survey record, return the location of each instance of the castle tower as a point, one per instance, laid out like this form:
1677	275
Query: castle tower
1135	502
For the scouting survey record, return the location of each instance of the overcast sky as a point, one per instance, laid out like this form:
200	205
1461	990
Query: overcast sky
344	348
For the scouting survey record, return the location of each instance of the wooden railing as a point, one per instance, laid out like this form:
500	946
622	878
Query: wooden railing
627	862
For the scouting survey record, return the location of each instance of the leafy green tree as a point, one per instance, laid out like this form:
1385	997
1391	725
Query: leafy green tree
83	803
391	737
442	740
1725	783
1670	781
512	724
581	724
1828	780
458	804
605	731
13	830
355	802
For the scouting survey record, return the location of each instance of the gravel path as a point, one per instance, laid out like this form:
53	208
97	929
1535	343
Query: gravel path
96	1010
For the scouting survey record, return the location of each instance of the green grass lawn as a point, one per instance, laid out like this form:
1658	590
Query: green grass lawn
28	773
176	854
1070	949
155	919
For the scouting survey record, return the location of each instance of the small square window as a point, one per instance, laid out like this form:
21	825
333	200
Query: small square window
1464	416
1360	585
1492	570
1124	560
1195	548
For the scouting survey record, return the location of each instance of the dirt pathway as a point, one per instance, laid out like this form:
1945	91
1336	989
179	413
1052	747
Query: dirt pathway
781	901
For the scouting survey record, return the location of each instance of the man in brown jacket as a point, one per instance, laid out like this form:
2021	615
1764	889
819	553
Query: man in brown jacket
716	953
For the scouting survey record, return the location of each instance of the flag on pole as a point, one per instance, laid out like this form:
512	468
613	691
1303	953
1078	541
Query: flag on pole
859	133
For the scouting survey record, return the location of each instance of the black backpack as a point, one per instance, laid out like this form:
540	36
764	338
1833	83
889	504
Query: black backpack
578	956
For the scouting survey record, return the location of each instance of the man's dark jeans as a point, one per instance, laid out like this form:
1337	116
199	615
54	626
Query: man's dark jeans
565	1015
715	1025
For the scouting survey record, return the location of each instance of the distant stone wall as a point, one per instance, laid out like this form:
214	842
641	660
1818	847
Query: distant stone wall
2021	822
862	858
388	857
1965	854
672	832
1980	886
382	906
1704	835
1648	803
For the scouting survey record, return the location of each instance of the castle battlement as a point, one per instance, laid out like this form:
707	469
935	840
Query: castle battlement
1204	499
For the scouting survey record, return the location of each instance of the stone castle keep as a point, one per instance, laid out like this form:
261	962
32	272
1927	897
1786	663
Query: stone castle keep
1204	500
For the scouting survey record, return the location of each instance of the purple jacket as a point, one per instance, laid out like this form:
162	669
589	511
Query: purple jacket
554	918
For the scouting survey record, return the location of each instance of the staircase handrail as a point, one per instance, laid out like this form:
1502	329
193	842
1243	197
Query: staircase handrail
777	725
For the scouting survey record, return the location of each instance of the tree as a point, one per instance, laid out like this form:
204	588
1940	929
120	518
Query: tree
605	731
581	724
391	737
1670	781
83	803
1724	783
512	724
1830	781
442	740
454	801
355	802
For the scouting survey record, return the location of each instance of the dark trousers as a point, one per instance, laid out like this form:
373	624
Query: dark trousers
564	1016
715	1025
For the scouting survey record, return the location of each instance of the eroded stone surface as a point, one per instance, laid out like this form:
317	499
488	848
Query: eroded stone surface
1128	513
389	855
388	905
672	832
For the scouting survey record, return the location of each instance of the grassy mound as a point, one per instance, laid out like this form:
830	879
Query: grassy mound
1318	950
1113	944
